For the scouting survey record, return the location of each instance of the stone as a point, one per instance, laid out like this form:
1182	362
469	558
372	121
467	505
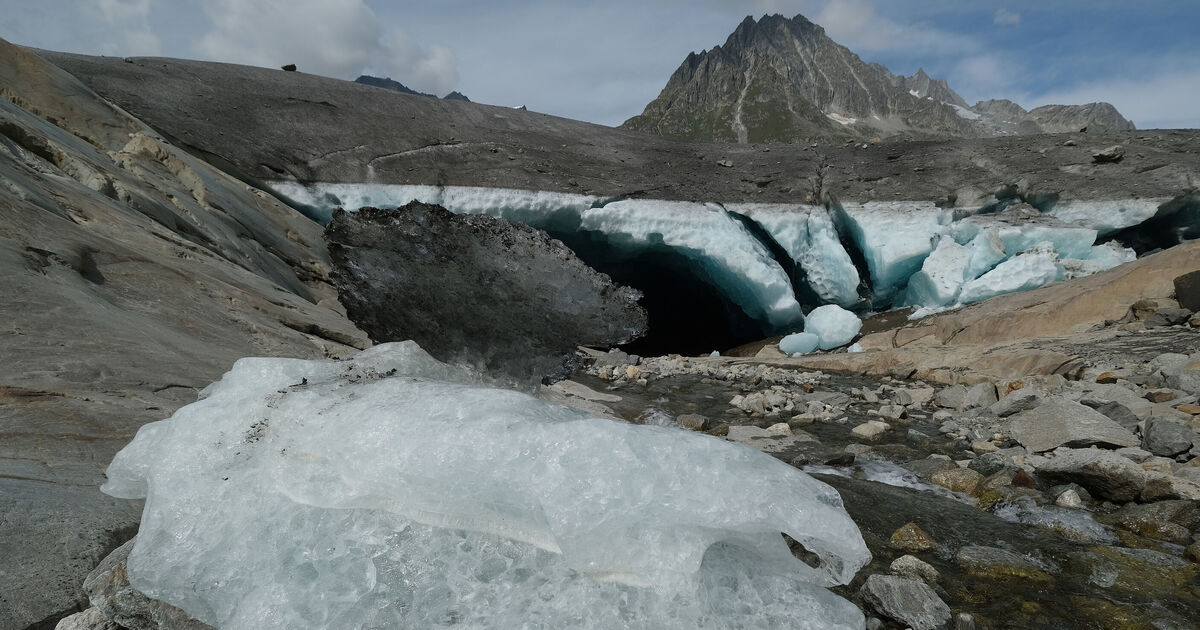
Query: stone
109	590
1116	412
957	479
909	602
1168	317
1170	520
90	619
910	538
631	371
415	273
1166	438
1001	564
982	447
1062	422
780	429
870	430
1184	376
1189	408
914	568
1104	474
1016	401
918	396
980	395
964	621
1170	487
1069	498
1160	395
1187	290
1189	473
693	421
1192	552
1108	378
1157	464
892	412
953	397
1109	155
988	464
927	467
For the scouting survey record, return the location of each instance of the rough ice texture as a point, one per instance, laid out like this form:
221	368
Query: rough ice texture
833	325
1022	226
1107	216
1102	257
500	296
718	244
799	343
941	275
895	237
987	251
808	235
1036	267
391	490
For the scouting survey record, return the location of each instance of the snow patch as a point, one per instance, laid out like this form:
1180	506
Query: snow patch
840	119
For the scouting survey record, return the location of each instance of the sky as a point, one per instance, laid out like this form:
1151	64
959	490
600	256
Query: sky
603	60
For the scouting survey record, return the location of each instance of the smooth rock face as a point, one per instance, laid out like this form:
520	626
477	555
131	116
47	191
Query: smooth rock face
475	289
1061	422
909	602
1187	290
1104	474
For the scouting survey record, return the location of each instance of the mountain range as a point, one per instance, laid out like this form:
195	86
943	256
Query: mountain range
785	80
391	84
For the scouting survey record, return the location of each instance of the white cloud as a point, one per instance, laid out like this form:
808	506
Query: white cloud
985	76
1167	99
856	25
338	38
131	21
1004	17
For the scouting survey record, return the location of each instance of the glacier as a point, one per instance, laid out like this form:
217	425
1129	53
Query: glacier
392	490
905	252
833	325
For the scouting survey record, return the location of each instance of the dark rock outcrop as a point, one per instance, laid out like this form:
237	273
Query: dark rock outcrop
477	289
389	84
1094	117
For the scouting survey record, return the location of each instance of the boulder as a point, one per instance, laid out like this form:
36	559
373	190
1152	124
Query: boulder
910	538
90	619
1187	290
1109	155
1062	422
1170	487
475	289
995	563
953	397
914	568
1172	521
1166	438
980	395
1115	411
1016	401
1104	474
908	602
1168	317
957	479
1183	375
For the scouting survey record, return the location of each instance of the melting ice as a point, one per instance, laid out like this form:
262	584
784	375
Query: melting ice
391	490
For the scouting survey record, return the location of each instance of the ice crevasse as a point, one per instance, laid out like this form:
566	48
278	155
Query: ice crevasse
391	490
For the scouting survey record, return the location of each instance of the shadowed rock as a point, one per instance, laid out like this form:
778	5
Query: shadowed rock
476	289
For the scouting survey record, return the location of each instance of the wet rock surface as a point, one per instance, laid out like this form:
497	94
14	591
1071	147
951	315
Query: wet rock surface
475	289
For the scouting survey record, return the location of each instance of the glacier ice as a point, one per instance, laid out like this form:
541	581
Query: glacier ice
833	325
1037	266
895	237
1102	257
987	251
391	490
799	343
808	235
1107	216
941	276
1021	227
719	244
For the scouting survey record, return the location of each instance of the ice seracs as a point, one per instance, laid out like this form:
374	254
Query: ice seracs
1037	266
895	238
391	490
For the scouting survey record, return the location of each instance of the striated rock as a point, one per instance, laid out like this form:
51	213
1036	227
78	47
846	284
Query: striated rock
910	602
1062	422
475	289
1166	438
1104	474
109	590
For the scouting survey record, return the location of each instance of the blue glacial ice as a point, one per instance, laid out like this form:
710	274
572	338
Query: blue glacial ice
895	237
1036	266
833	325
799	343
811	240
391	490
908	246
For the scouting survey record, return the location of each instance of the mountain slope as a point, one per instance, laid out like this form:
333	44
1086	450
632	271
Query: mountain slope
785	80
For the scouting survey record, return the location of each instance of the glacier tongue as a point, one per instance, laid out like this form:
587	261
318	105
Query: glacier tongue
391	490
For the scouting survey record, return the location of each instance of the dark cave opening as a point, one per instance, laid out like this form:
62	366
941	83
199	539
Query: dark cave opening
1175	222
688	313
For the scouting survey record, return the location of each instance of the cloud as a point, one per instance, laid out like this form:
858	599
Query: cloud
856	25
337	38
1166	99
131	21
1004	17
985	76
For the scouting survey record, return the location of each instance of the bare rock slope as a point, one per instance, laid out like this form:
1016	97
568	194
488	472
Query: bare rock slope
134	274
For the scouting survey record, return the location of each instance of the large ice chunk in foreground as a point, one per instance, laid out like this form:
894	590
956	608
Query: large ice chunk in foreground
718	244
833	325
808	235
941	275
895	237
391	490
1030	270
